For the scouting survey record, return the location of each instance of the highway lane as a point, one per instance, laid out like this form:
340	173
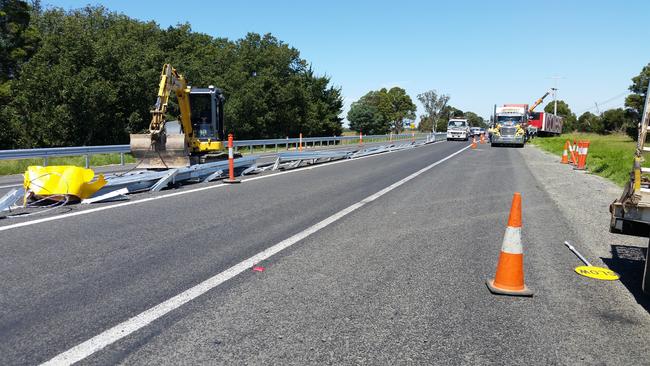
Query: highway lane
402	281
67	280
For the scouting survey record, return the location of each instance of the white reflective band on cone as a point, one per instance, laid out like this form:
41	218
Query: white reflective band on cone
230	155
512	241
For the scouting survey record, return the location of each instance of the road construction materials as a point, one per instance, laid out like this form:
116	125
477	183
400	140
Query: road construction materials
58	181
509	278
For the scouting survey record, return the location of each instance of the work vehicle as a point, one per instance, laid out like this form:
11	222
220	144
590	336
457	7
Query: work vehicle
544	124
541	123
630	214
458	129
510	125
197	138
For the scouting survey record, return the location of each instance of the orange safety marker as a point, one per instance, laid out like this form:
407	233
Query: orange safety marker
482	138
583	149
360	138
231	162
565	155
300	142
474	146
412	136
509	278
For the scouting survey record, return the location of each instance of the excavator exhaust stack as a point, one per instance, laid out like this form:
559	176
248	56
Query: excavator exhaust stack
164	152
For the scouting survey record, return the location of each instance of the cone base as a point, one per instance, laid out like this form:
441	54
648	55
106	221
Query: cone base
231	181
499	291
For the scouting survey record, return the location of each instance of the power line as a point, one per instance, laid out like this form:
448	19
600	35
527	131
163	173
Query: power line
600	104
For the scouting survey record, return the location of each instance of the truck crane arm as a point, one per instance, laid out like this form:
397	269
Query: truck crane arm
538	101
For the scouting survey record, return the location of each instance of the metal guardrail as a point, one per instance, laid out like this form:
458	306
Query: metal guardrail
87	151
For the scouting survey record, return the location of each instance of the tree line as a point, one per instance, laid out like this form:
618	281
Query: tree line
616	120
89	77
387	110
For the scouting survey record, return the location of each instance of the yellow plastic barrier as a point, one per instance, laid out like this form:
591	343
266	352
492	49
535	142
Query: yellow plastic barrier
62	180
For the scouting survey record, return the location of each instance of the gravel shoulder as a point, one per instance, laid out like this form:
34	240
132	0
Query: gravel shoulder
584	199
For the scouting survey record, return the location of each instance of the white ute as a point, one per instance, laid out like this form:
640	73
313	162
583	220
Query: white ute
458	129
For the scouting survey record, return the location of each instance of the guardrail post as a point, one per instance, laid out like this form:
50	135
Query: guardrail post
87	160
122	158
231	162
45	159
276	147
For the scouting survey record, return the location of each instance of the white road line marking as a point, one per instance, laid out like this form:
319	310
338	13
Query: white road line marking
10	186
141	320
144	200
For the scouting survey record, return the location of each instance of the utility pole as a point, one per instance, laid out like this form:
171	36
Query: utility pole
555	80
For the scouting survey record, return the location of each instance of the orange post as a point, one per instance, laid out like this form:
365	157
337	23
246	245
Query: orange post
300	142
360	138
231	161
482	138
509	277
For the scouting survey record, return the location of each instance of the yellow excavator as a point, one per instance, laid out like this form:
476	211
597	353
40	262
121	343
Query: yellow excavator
198	135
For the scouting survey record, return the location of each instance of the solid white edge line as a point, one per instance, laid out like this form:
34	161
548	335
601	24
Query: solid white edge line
129	326
144	200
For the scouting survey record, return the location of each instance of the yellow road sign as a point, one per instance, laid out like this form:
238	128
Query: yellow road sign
598	273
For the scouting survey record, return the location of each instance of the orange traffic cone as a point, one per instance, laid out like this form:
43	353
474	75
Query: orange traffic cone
509	278
565	154
482	138
474	146
582	155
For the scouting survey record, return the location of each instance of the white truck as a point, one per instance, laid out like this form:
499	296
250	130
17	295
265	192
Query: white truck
458	129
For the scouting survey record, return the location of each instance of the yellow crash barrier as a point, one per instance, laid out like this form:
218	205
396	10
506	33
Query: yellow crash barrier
62	180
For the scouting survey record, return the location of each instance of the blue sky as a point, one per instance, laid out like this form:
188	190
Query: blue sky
480	52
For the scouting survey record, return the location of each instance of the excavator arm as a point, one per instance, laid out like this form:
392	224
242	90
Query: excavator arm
170	81
160	149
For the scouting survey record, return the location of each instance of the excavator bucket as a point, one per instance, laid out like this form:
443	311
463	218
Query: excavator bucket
170	151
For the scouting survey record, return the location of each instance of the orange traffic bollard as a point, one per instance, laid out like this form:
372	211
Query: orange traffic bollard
231	162
565	154
300	142
474	146
509	278
583	149
360	138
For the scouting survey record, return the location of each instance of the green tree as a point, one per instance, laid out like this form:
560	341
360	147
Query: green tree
434	104
589	122
474	119
634	102
563	110
18	42
616	119
365	117
95	74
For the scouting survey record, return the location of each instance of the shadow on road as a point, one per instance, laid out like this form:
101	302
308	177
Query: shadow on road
629	263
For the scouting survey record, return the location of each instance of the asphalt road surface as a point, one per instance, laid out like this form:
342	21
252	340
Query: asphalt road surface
390	271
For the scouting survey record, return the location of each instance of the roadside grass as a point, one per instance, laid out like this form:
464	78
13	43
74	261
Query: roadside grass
609	156
20	166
